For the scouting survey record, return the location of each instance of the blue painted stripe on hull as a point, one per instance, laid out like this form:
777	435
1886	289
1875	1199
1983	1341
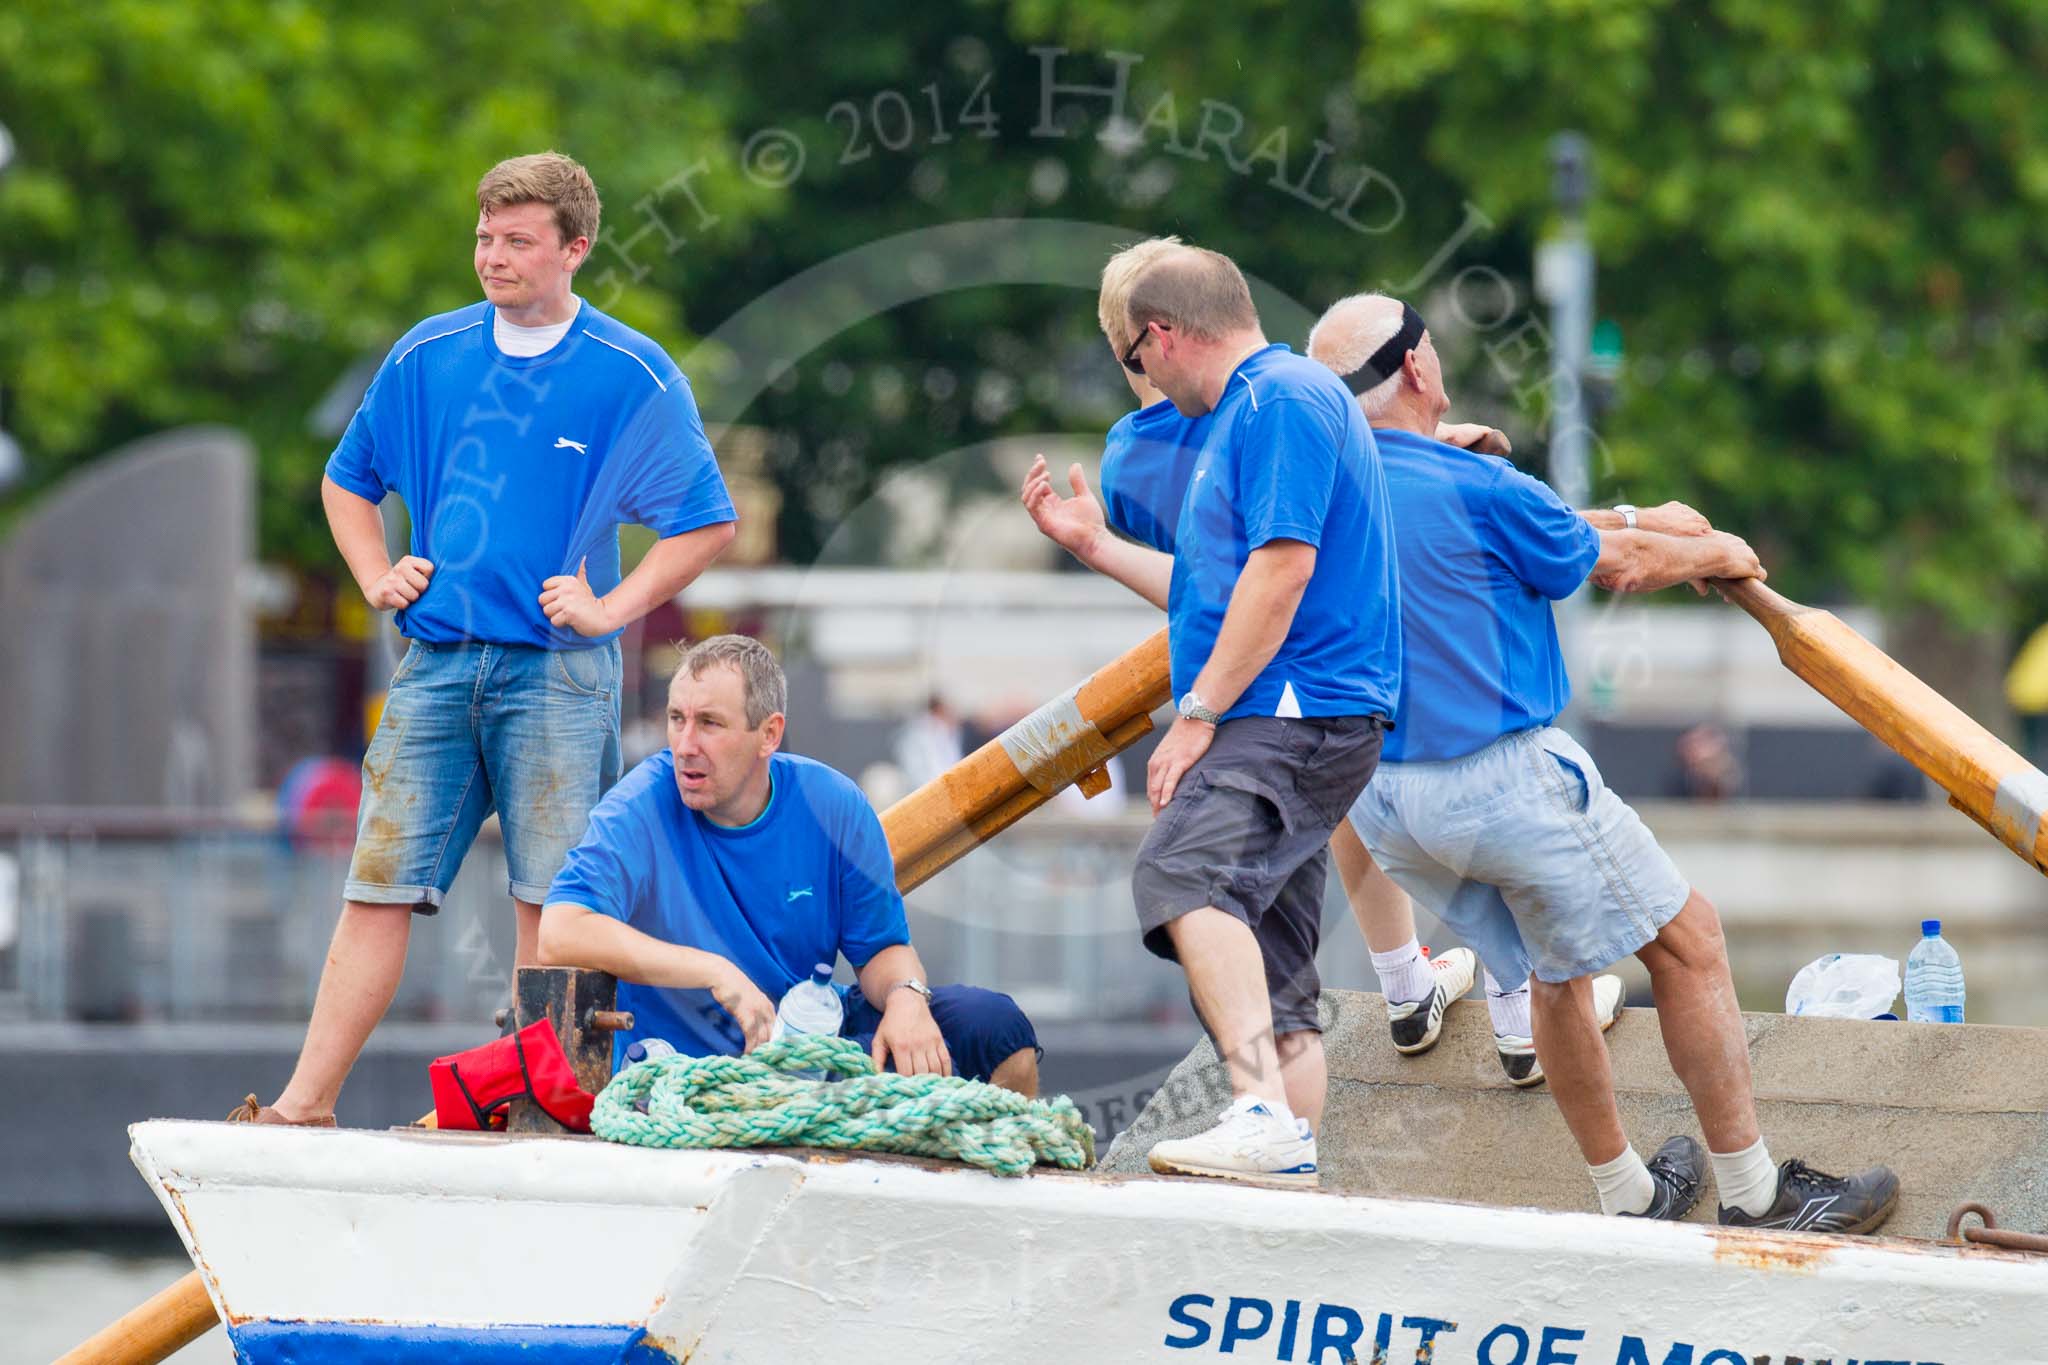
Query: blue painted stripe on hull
323	1343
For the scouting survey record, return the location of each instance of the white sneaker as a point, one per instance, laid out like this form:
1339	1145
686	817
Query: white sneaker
1518	1054
1250	1142
1416	1024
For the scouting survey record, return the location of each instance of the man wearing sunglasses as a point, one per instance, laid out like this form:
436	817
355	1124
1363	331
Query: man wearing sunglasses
1147	461
1286	664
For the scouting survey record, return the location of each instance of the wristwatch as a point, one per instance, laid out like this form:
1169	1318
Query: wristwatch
1628	514
1192	707
914	984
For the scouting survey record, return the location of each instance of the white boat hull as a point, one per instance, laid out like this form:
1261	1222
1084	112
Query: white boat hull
399	1246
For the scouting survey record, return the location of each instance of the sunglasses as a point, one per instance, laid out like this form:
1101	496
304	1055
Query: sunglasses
1130	357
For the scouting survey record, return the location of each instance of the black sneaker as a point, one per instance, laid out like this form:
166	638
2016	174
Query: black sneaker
1416	1024
1676	1172
1518	1054
1813	1201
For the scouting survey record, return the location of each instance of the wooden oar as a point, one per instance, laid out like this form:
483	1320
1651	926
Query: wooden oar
1065	741
1983	777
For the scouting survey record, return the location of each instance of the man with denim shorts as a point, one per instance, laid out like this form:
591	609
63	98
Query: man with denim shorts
1285	660
520	431
1498	821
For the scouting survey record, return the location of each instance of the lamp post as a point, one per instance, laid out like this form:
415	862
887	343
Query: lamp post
12	466
1564	280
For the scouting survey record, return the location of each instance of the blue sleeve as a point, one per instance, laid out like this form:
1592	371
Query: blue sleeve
1287	472
362	462
1115	508
605	872
1546	544
871	914
672	483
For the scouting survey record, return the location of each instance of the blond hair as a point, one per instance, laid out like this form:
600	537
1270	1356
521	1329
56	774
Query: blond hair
1117	275
548	178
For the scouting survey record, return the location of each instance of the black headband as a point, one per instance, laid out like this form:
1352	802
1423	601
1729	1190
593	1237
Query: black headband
1385	363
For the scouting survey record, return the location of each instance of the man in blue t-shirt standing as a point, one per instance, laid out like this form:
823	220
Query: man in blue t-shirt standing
1286	662
1498	821
1148	460
719	871
520	431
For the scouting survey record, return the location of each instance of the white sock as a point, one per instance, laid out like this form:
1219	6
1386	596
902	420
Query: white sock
1624	1183
1405	974
1510	1009
1746	1179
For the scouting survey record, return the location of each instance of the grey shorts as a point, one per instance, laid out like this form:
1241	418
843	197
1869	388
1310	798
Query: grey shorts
1526	853
1248	832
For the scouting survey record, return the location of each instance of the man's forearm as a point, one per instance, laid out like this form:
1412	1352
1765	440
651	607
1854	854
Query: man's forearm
888	969
574	936
671	565
1144	570
358	529
1255	625
1644	561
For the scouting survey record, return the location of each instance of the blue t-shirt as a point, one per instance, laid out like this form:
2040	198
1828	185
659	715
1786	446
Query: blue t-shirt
518	468
809	879
1146	460
1485	549
1288	456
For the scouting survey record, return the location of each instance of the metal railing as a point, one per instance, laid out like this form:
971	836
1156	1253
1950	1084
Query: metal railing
141	916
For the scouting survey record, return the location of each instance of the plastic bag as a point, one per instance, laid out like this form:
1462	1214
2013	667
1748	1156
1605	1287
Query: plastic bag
1844	986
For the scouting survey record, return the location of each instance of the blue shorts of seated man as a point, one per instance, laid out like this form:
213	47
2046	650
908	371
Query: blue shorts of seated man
982	1028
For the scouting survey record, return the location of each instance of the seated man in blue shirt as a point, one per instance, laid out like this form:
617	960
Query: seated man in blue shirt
718	871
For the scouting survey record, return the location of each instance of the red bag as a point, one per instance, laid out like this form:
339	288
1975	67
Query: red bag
474	1089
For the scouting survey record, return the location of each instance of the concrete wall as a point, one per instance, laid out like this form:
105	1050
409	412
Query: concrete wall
1961	1113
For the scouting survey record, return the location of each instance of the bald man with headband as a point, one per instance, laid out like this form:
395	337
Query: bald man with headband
1498	821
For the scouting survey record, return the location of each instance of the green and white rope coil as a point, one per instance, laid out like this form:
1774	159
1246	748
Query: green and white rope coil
753	1101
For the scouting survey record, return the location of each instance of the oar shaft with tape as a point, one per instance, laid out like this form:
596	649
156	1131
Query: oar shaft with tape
1984	778
1066	740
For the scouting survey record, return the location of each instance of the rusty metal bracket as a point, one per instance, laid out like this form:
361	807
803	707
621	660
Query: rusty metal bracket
1991	1234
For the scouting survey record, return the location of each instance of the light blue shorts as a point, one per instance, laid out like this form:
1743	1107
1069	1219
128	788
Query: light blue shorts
470	728
1525	853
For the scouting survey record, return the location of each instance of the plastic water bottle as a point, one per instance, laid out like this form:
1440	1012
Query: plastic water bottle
1934	979
811	1007
646	1050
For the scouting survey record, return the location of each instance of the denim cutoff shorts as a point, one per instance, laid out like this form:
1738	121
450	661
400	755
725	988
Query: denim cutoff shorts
472	728
1525	853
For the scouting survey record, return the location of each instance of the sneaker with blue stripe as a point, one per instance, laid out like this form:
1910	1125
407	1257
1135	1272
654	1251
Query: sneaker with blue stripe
1250	1143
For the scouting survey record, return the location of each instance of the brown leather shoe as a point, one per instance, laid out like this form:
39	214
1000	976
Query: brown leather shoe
249	1111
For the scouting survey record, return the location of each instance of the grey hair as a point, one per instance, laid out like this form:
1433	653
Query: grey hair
1117	274
1347	334
766	690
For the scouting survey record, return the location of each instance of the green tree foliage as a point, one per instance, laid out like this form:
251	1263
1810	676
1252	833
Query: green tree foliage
1817	228
217	209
